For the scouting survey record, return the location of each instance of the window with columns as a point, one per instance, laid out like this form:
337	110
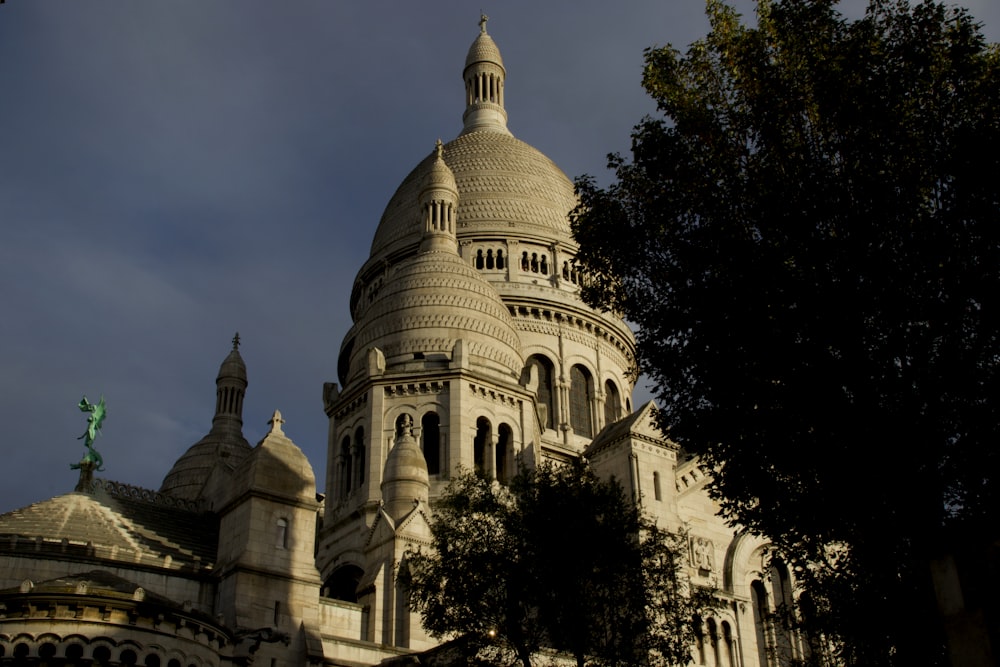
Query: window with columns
546	396
581	391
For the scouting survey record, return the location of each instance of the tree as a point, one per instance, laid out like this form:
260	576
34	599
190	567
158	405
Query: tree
475	581
818	289
562	560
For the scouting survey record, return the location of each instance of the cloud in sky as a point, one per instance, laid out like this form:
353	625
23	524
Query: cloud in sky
174	172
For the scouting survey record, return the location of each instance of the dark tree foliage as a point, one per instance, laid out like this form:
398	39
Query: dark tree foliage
809	241
475	581
560	560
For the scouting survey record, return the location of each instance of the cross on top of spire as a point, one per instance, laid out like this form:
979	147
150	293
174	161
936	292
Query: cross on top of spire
236	341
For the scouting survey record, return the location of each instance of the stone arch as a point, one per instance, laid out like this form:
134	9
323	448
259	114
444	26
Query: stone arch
342	584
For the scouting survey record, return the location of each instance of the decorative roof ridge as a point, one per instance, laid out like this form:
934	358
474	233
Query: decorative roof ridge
115	489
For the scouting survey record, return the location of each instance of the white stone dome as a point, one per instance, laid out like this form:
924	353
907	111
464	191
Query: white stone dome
505	188
429	302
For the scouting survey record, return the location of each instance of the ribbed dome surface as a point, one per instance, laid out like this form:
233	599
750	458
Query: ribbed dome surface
233	367
429	302
483	49
505	187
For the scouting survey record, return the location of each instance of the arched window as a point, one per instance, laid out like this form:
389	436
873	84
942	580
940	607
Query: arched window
484	431
580	391
612	403
758	594
282	538
489	259
343	583
479	259
500	262
713	637
781	596
699	639
656	486
430	441
546	402
346	467
729	650
359	452
504	453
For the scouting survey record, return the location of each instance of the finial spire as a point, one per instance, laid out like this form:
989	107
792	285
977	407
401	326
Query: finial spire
439	147
276	421
236	341
483	18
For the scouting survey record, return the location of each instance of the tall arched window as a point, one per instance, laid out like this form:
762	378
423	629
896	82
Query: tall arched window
546	375
282	536
483	433
781	596
727	638
580	391
359	452
504	453
612	403
699	640
657	493
761	617
430	441
346	467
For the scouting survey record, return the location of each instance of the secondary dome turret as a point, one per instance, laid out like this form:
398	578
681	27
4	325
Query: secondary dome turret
433	299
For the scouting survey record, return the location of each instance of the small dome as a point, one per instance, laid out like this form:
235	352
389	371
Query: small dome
278	467
428	303
405	481
483	49
439	177
505	188
233	367
224	444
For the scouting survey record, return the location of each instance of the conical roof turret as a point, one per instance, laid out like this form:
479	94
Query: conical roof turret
439	205
405	482
224	444
484	76
230	389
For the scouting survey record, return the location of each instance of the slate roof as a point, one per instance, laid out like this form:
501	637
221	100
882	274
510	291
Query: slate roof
114	523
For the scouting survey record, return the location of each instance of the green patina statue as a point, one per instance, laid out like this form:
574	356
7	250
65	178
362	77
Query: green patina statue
97	413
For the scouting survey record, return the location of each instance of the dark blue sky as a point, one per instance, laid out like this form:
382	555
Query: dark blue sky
174	172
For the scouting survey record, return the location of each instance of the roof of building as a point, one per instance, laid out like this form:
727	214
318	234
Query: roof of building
116	522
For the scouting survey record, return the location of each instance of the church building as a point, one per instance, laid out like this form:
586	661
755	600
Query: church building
470	349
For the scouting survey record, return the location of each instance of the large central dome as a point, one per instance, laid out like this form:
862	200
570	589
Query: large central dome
503	184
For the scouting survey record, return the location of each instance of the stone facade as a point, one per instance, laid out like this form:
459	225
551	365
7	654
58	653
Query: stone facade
470	348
